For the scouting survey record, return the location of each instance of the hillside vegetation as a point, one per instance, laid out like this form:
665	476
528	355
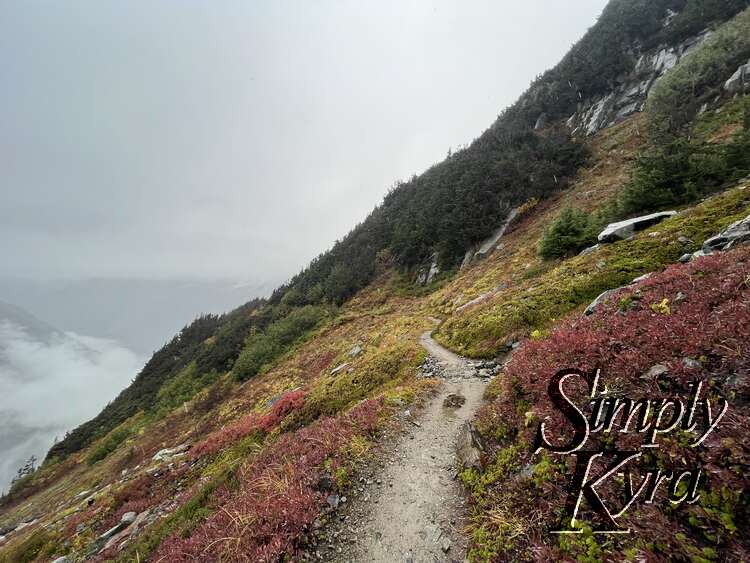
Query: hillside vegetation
230	440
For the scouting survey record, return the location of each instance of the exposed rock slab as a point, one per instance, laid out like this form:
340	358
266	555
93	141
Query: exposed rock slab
625	229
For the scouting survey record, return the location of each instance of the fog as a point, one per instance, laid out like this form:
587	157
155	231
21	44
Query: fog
50	383
239	139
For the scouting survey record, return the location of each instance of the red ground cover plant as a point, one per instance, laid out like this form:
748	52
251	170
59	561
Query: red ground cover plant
250	423
275	498
692	319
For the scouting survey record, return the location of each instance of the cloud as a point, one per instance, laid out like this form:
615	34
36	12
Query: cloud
50	384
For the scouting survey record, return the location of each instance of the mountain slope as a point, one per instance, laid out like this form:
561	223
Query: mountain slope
327	368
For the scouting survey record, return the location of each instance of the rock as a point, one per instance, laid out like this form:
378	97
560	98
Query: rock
469	447
445	545
325	483
541	121
128	517
655	371
454	401
690	363
739	81
62	559
426	275
734	235
589	250
490	244
338	368
333	500
112	531
598	301
624	229
2	539
680	298
127	530
641	278
355	351
682	239
169	453
685	258
629	96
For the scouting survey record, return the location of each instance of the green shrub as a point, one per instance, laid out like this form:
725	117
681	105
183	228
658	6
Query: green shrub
109	445
571	231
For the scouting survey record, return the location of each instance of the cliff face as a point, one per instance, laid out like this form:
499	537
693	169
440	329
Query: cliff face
630	95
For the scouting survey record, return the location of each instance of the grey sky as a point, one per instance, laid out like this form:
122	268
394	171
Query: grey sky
239	139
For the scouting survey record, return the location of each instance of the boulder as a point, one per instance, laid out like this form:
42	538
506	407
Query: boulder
599	300
734	235
624	229
469	447
454	401
355	351
169	453
128	517
589	250
739	81
655	371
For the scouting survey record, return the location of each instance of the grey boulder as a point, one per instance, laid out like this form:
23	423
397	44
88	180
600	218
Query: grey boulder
734	235
625	229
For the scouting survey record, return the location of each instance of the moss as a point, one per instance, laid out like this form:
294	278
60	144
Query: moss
334	393
40	544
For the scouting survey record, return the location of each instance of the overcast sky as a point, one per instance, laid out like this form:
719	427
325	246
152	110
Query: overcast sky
239	139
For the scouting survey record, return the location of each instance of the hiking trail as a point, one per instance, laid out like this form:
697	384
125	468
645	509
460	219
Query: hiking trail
413	509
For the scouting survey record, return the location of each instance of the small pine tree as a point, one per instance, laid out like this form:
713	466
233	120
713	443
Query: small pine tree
569	232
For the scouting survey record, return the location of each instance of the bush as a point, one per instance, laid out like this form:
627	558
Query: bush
571	231
108	445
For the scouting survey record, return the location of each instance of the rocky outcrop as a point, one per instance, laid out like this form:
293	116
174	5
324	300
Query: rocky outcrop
427	274
625	229
491	243
168	454
469	447
736	234
630	95
739	81
605	295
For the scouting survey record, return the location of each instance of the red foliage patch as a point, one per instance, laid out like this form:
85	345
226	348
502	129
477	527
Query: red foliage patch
250	423
693	319
275	500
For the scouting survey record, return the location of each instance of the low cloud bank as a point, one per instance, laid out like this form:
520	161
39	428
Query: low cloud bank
51	383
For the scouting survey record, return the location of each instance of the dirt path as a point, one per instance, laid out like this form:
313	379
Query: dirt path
412	510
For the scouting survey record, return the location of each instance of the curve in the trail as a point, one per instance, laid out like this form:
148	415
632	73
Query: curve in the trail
417	510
